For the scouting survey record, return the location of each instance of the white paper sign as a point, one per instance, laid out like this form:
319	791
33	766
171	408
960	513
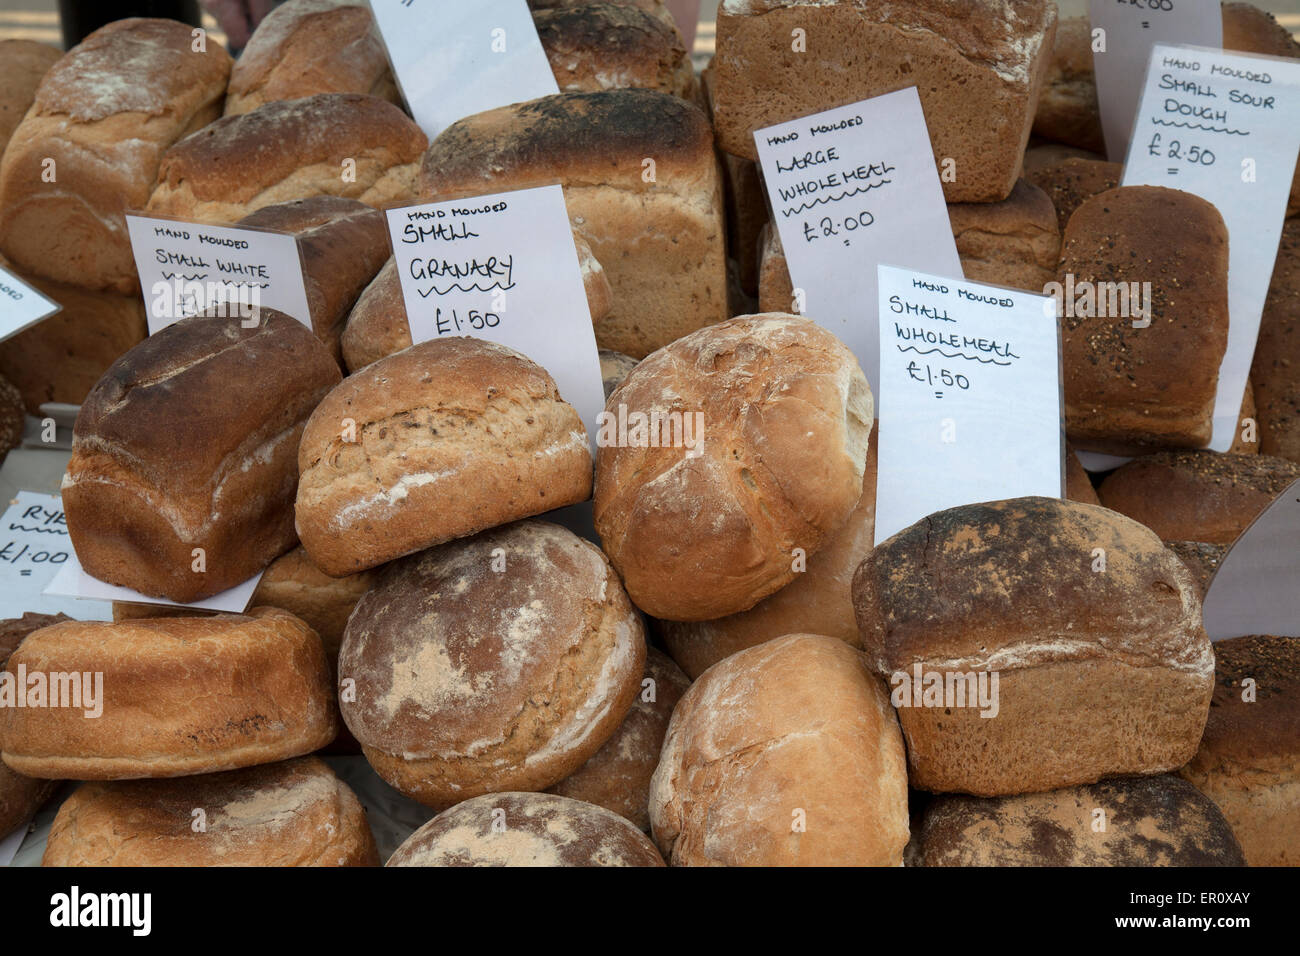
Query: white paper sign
72	581
21	305
1256	589
851	188
186	268
503	268
1225	127
970	396
1132	28
34	546
453	60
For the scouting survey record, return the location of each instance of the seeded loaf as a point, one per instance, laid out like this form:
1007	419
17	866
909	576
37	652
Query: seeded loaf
104	115
610	46
1276	369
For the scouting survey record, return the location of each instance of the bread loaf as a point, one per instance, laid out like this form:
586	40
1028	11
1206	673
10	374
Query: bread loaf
611	46
172	697
331	144
183	467
304	47
1149	821
378	324
784	754
1127	389
1201	559
1015	242
294	584
439	441
501	662
295	813
1040	154
1276	369
21	797
22	64
103	115
1100	668
1072	181
1249	759
977	66
12	417
1197	495
614	367
657	230
526	829
1068	110
708	524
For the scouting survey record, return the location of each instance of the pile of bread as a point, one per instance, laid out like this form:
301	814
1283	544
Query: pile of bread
735	676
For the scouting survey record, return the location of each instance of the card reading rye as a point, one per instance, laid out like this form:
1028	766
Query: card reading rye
503	267
187	267
970	396
452	60
1121	51
1226	127
851	188
34	546
21	305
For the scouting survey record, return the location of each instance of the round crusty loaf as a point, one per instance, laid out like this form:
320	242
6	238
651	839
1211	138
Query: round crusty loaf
1197	495
609	46
501	662
442	440
617	776
178	696
20	796
783	754
1249	759
704	532
526	829
1149	821
294	813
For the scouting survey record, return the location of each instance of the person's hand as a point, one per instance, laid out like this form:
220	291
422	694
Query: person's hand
238	18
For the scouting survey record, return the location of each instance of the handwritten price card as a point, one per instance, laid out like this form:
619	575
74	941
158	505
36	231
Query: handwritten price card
186	268
970	396
1226	127
504	268
1129	30
34	546
851	188
452	60
21	305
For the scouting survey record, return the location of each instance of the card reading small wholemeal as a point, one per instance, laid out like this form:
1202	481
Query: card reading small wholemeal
851	188
970	396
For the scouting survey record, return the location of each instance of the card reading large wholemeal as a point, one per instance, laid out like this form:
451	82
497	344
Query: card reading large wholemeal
970	396
851	188
453	60
21	305
504	268
1226	127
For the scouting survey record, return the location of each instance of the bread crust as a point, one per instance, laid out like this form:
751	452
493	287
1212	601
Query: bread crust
1015	242
1071	181
609	46
1277	354
22	65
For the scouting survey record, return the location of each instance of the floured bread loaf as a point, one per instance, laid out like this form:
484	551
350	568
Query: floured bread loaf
617	776
304	47
784	754
1149	821
1089	625
378	325
704	531
526	829
103	116
438	441
178	696
500	662
331	144
610	46
295	813
183	467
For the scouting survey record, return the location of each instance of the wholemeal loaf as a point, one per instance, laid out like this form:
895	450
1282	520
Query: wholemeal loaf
617	776
610	46
177	696
294	813
20	796
441	440
977	67
1202	560
783	754
1129	821
526	829
104	115
304	47
1015	242
184	456
656	228
706	524
1071	181
1249	759
343	244
378	324
500	662
1197	495
1090	627
331	144
1275	372
1127	389
22	65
